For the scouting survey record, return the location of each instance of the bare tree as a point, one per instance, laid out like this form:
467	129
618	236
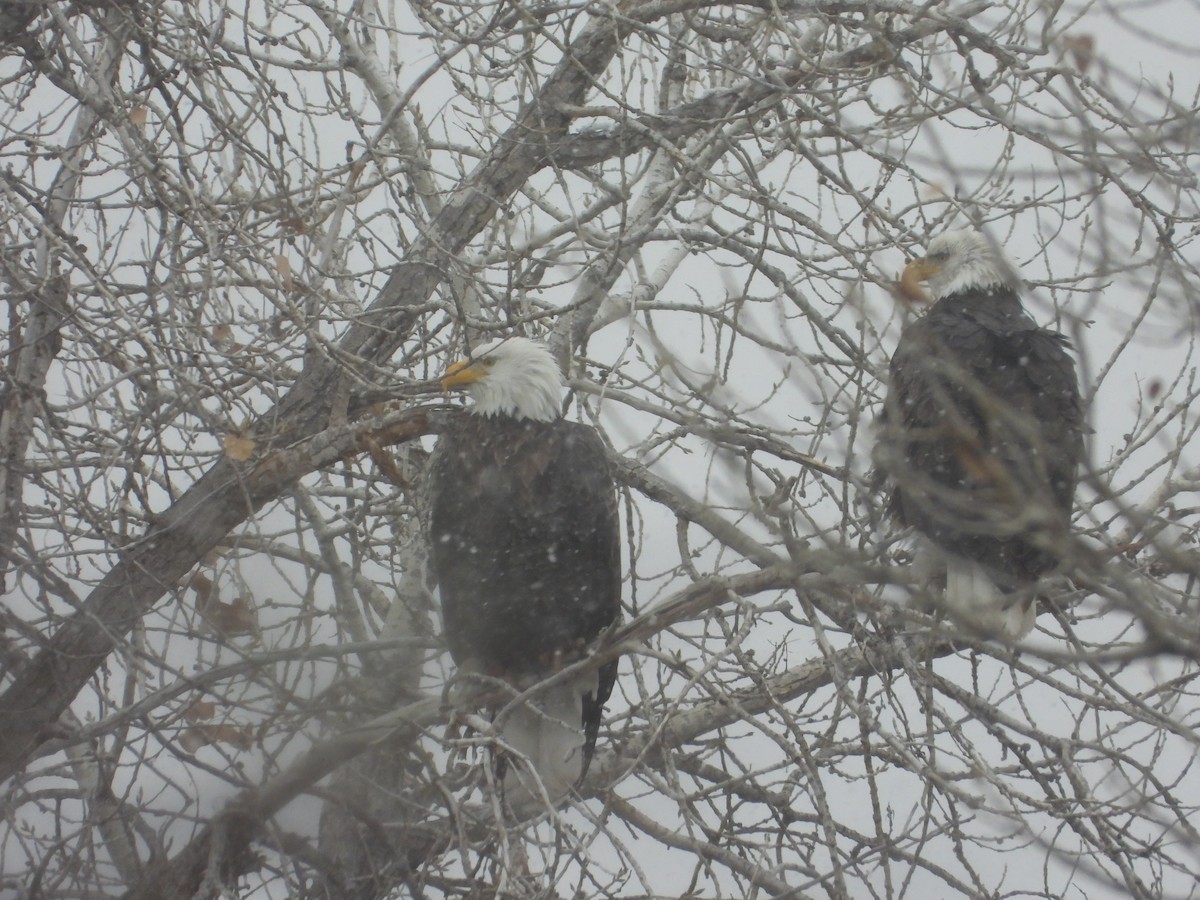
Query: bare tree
241	240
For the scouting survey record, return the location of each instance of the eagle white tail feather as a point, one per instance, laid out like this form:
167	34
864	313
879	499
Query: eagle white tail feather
548	732
974	600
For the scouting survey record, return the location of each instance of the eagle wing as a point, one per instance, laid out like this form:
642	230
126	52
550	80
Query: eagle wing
525	546
985	412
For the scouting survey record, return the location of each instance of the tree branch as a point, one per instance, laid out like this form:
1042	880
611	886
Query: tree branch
227	495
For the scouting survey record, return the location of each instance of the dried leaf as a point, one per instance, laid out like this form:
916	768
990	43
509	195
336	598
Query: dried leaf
242	738
284	269
192	739
203	586
137	116
200	711
229	619
234	618
222	337
238	448
1082	49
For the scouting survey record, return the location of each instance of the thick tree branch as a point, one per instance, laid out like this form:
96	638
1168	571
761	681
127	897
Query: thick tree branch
226	495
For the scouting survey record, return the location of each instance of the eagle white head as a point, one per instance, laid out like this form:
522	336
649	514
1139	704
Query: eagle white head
511	376
962	260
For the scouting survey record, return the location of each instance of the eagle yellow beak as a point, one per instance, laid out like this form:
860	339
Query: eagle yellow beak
917	270
462	374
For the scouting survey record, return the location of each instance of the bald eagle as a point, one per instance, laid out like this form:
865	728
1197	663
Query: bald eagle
982	435
525	548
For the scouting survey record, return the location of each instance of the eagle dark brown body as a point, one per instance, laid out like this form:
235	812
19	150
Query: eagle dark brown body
989	418
526	547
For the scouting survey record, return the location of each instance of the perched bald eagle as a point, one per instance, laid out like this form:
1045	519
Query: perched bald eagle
525	547
982	435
